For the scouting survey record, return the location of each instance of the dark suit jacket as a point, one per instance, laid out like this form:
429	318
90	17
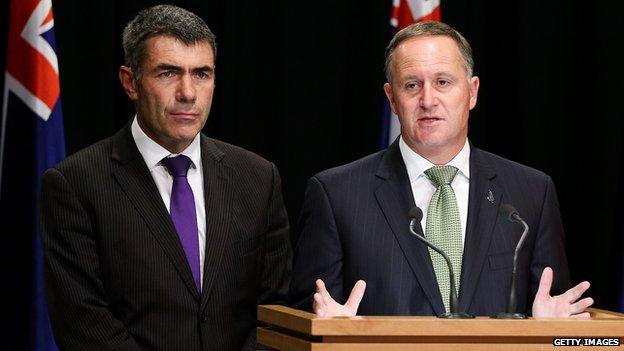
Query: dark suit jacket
117	276
354	225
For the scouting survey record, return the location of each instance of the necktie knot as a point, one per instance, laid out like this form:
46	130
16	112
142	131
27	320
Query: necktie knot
441	175
177	166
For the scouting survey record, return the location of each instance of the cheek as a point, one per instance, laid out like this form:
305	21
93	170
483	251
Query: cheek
152	103
147	107
457	106
405	112
407	106
208	95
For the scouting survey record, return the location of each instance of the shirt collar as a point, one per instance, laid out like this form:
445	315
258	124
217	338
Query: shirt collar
417	165
153	152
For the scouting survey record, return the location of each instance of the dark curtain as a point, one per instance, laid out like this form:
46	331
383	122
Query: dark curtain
300	83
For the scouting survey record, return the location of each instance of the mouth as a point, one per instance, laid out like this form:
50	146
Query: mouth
429	120
184	115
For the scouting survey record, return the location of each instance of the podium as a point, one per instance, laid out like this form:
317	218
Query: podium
290	329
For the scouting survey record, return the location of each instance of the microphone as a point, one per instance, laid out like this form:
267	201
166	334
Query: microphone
513	216
416	216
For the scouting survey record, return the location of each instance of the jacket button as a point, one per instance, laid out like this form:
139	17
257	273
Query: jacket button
204	318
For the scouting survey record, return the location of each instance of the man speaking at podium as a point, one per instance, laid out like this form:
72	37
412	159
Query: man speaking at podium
356	254
160	238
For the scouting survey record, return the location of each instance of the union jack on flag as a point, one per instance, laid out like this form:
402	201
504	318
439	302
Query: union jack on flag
404	13
31	106
32	66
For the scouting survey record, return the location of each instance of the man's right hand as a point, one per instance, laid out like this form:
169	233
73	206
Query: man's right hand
325	306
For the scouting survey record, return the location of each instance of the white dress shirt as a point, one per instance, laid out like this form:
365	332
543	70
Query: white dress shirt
152	154
423	188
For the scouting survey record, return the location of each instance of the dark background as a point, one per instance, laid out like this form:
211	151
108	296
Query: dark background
300	83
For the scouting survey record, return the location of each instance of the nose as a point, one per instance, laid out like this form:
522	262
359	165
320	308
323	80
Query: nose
427	97
186	91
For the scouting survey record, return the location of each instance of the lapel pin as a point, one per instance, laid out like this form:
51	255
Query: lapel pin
490	196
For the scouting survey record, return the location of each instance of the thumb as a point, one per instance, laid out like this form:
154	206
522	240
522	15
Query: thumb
320	286
322	291
545	284
357	293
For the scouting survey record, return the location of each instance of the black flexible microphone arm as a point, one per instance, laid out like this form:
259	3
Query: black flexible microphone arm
514	216
453	300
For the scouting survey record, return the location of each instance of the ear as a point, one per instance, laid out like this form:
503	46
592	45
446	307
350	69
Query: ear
128	83
388	90
474	90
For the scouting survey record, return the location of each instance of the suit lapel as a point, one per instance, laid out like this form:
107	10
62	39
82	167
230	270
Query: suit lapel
136	181
394	196
483	206
218	195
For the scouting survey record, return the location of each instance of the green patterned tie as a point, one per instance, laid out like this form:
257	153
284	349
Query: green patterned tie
444	227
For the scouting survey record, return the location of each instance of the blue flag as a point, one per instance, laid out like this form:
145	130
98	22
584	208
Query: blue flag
31	138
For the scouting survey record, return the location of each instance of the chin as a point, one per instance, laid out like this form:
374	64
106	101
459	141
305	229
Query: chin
186	138
184	131
430	139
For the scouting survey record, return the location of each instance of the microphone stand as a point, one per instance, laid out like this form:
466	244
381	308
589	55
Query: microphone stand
453	300
512	303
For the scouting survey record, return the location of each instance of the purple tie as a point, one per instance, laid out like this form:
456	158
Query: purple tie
183	211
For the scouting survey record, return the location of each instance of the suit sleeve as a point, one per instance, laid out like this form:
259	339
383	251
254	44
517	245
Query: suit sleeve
276	258
319	250
277	252
77	302
549	249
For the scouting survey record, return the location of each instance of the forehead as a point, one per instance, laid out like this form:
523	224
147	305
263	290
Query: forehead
169	50
428	52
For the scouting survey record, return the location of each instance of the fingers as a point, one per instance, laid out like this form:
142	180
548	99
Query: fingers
576	292
357	293
318	306
325	306
581	306
322	291
584	315
545	283
322	299
320	287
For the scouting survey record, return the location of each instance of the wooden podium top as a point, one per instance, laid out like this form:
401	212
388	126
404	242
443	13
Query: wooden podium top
299	330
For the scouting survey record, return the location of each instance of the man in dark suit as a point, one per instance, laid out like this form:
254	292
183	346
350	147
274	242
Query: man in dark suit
160	238
354	223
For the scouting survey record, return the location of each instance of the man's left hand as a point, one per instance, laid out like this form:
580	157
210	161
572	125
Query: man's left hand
560	306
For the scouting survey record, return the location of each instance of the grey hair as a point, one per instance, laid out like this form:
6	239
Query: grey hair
166	20
429	28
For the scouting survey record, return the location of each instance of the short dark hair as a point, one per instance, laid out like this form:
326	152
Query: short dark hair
167	20
429	28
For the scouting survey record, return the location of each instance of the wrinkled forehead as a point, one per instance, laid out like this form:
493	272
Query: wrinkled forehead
428	52
165	47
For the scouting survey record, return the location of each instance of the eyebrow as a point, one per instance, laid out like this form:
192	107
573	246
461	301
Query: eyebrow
205	68
169	67
410	76
436	74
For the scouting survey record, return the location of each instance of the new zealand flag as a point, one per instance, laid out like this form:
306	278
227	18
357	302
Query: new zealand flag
31	140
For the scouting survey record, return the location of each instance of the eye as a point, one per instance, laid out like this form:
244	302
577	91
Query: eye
444	82
202	74
166	74
411	86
